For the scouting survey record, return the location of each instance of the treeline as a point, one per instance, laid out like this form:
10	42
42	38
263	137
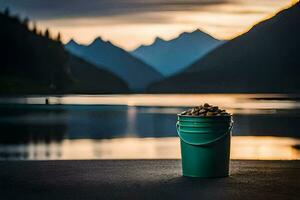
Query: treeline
30	59
33	61
34	28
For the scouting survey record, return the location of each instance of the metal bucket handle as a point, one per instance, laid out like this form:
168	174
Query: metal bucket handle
203	143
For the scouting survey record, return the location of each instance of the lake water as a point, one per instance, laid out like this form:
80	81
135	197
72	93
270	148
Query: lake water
141	126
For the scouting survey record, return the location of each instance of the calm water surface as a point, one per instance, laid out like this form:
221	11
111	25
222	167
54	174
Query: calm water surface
140	126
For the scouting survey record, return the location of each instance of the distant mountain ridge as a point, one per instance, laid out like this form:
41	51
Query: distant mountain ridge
263	60
169	57
105	55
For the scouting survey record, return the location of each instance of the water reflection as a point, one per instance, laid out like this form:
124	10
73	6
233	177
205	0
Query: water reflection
77	127
243	147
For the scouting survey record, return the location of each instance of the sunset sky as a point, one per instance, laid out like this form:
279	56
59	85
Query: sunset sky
130	23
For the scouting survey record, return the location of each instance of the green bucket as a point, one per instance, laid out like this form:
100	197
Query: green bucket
205	145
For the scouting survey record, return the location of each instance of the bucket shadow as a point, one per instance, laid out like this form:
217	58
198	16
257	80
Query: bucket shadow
190	188
184	180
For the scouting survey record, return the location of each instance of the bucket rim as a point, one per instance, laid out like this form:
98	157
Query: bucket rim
199	132
194	122
203	127
214	116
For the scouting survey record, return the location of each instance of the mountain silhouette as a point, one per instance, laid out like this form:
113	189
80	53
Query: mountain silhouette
89	79
263	60
33	62
107	56
169	57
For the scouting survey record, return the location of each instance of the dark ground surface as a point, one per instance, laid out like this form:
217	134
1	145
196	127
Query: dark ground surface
145	179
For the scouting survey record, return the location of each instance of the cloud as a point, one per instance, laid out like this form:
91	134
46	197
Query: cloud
122	11
129	23
55	9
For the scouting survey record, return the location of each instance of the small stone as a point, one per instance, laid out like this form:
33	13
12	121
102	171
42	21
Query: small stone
223	113
206	105
202	111
209	113
206	108
214	108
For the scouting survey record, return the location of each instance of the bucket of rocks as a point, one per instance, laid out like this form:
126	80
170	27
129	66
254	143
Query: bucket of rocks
205	133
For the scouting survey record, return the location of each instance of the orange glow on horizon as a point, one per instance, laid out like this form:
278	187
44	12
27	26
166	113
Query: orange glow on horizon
123	31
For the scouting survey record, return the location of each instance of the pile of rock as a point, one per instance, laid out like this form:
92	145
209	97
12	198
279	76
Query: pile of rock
205	110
